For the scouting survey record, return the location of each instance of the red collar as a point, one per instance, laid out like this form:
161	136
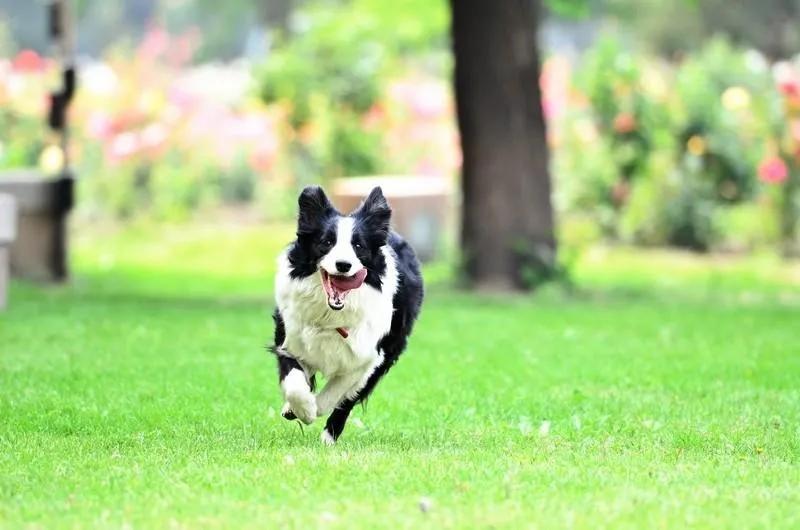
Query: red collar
343	332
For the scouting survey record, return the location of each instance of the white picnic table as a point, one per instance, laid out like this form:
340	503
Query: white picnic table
8	231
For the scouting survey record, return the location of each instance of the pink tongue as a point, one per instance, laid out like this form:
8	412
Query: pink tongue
343	283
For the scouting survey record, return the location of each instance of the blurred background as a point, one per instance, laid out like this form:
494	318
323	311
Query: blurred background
635	163
669	124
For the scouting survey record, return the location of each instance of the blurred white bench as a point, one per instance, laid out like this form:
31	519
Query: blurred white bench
420	206
8	231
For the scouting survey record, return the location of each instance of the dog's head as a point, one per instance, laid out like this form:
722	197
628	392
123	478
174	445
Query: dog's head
344	249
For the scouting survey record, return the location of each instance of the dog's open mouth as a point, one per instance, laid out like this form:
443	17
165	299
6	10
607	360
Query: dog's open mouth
337	287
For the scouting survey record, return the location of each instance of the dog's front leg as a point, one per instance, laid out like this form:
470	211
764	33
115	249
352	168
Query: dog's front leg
300	402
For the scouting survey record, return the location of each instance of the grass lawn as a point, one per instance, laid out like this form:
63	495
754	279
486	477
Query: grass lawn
665	393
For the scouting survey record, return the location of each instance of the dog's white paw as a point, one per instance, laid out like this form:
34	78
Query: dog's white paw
303	405
326	438
299	398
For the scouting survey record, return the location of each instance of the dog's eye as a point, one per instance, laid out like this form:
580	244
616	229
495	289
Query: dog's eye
327	243
357	245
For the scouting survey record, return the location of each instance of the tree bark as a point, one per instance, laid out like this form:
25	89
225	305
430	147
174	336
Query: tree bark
507	221
275	13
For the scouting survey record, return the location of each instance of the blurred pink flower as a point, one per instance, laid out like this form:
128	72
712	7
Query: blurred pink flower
154	136
773	170
206	120
264	155
426	100
181	98
429	168
99	125
154	44
123	146
554	83
28	61
247	127
429	101
183	48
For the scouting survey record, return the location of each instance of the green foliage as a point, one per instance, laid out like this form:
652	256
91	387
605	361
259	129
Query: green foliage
329	57
356	150
733	144
332	65
238	184
172	189
175	190
659	151
569	8
21	139
628	119
343	50
7	45
672	27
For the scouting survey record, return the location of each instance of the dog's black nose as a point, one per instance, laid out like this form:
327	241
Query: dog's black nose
343	266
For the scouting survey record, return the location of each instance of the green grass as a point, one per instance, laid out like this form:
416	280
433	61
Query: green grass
141	396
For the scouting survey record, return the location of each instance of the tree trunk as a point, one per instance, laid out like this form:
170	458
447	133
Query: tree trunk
275	13
507	219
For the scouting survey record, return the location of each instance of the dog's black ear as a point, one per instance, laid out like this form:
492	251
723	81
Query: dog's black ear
314	208
375	214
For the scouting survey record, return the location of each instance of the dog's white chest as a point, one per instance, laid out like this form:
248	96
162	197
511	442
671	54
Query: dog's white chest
326	351
311	326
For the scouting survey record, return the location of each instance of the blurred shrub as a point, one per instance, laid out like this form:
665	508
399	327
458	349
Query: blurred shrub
662	155
625	115
724	94
22	106
332	68
703	153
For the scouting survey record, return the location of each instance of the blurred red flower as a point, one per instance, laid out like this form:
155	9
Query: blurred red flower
773	170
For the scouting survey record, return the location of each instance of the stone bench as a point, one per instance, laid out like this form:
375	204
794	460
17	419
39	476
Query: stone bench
39	251
8	232
420	206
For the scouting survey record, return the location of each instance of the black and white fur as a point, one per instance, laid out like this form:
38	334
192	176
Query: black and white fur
378	316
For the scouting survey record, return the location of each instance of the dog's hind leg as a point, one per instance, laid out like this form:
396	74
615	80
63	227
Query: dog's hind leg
335	424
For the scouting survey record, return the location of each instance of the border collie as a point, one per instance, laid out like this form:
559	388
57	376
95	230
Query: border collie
348	291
